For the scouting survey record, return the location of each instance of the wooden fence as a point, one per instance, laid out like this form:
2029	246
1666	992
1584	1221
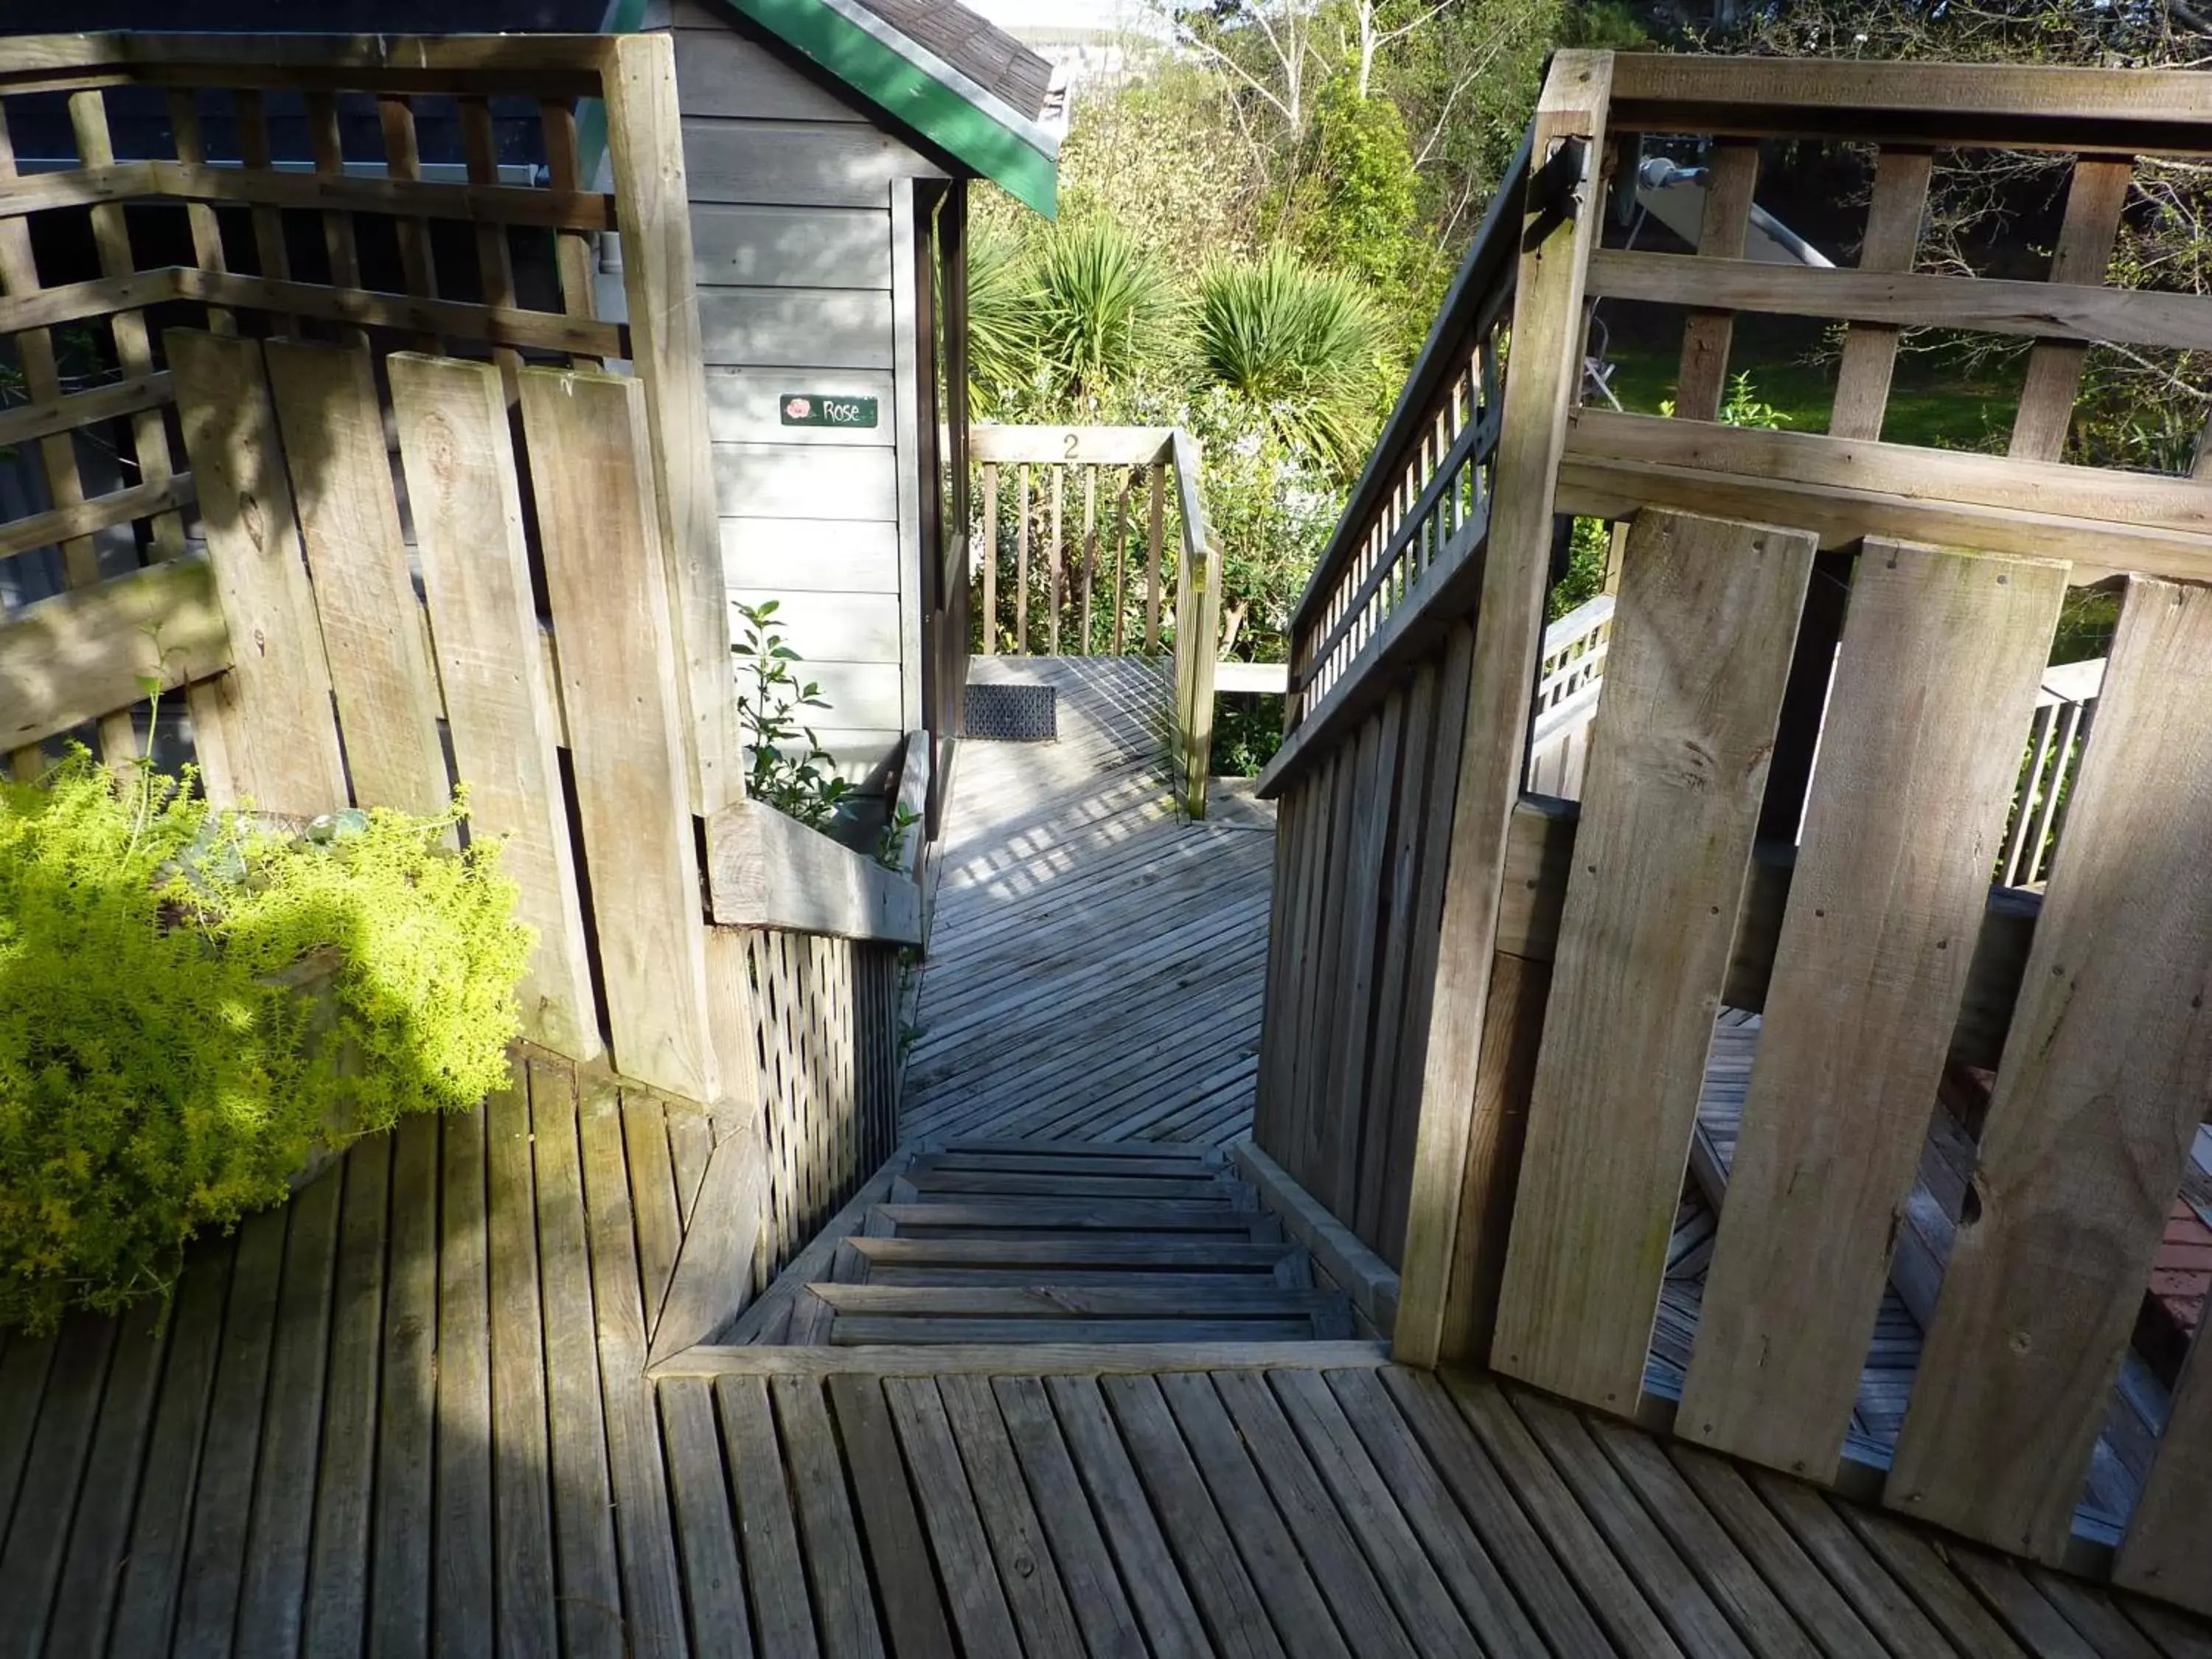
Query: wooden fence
1038	564
530	583
1489	1015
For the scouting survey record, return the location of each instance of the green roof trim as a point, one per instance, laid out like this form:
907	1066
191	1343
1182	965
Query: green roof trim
916	88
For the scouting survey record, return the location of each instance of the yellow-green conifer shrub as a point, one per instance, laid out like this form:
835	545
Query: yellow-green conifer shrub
160	1070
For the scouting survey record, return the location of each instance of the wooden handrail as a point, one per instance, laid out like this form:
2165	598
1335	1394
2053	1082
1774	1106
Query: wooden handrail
765	870
1198	627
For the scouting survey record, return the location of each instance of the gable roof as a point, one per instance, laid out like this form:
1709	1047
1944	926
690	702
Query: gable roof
967	87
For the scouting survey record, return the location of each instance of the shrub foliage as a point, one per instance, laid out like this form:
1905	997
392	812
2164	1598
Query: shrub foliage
160	1069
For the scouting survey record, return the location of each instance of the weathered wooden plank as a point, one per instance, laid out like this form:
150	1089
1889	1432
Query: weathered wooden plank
819	339
84	1597
273	1602
1409	1581
2163	1553
1415	1482
1537	1488
337	1581
1877	1598
207	1604
150	1572
798	163
46	1497
645	151
464	1575
464	497
1732	174
972	1595
1919	1567
1032	1580
1894	207
332	425
521	1503
400	1577
838	1570
583	1515
90	651
713	1280
1708	612
590	467
2111	1060
1221	1585
1548	327
775	1569
714	1581
652	1195
652	1596
288	758
2094	199
1943	654
765	870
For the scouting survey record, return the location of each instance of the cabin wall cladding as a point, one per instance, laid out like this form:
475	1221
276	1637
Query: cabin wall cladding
1824	676
803	235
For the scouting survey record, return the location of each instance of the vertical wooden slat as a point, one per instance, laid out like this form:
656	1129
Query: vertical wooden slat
1121	565
251	112
455	446
418	269
2094	202
572	249
134	355
990	558
646	150
332	425
1362	901
2107	1073
1059	580
1090	553
495	260
1732	174
1021	566
399	1568
18	277
1892	232
1942	656
465	1573
1155	529
1547	363
287	759
2163	1553
1678	756
207	232
325	143
590	469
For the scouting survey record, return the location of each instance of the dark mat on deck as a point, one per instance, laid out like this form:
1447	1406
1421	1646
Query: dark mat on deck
1013	713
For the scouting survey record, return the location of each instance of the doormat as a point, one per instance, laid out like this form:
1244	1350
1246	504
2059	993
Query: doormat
1013	713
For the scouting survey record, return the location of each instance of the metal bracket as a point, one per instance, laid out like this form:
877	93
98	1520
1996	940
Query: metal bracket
1555	190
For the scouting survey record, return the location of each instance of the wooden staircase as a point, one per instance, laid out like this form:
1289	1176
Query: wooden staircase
992	1242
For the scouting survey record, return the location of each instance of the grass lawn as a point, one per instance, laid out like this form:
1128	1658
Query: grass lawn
1935	399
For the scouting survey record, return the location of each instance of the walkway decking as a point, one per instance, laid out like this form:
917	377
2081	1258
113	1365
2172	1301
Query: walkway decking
411	1413
1097	964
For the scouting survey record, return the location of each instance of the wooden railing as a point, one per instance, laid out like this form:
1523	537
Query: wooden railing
1488	1013
1039	564
1569	675
2065	710
573	660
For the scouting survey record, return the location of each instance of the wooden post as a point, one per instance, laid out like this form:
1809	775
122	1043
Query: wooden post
1021	566
1058	569
1090	553
1702	387
1557	235
590	462
647	151
1152	538
1121	567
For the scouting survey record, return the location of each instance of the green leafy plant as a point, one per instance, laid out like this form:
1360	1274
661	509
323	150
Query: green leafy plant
789	769
890	845
1742	407
1102	311
193	1004
1299	342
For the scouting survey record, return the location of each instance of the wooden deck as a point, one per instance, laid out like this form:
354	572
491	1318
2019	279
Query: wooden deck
1097	964
412	1411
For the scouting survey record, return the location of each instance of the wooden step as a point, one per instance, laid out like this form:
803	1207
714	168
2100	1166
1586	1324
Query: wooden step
917	1183
855	1330
1078	1215
1135	1252
1188	1171
1047	1148
1128	1298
